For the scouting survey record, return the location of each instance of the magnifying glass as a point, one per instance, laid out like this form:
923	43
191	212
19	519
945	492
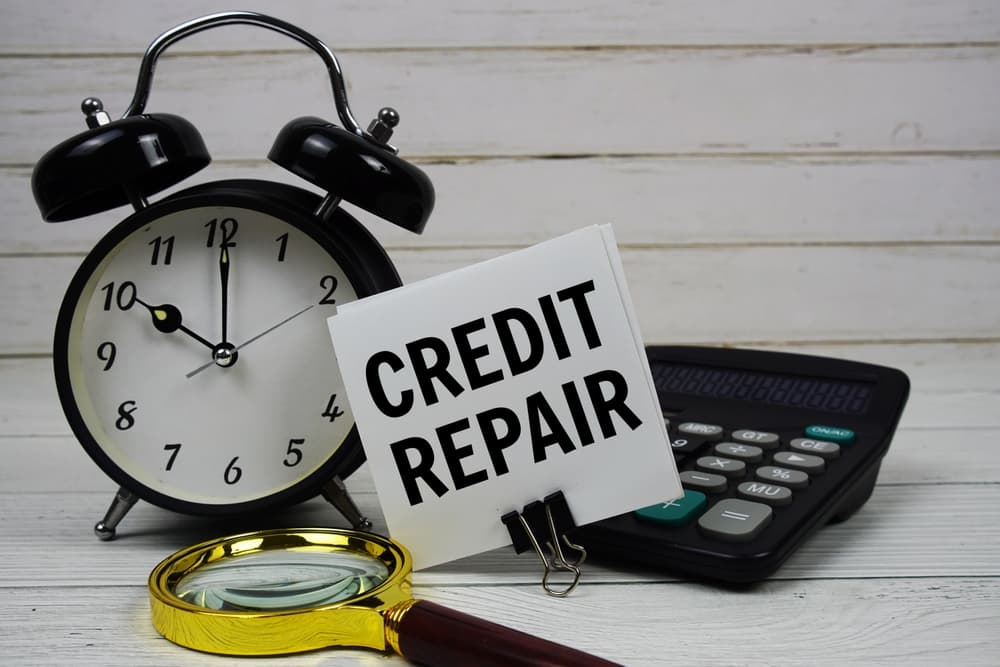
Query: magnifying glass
290	590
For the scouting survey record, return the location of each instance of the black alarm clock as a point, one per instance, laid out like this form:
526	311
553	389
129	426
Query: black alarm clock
192	357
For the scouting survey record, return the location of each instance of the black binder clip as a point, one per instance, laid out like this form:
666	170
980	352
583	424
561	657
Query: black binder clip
549	517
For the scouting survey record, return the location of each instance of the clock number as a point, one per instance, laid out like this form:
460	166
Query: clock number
282	242
173	449
328	283
294	456
227	227
233	472
106	352
125	419
332	411
167	245
125	298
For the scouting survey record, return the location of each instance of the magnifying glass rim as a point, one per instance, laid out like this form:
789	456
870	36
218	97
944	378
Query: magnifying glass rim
187	624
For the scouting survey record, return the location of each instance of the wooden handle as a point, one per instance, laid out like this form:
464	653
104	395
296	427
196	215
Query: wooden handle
434	635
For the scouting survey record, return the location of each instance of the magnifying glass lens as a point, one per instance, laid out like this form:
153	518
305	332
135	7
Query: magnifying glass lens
279	580
282	591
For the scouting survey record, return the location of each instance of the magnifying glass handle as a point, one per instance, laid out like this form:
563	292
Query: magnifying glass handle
430	634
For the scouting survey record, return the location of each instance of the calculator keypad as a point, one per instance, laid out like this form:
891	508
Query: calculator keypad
759	438
722	466
772	494
735	479
804	462
676	512
703	481
735	520
844	436
793	479
827	450
736	450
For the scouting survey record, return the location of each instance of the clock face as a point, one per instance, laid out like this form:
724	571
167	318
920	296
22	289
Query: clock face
193	357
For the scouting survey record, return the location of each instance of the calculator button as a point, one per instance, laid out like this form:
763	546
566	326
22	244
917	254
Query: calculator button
686	445
759	438
722	466
675	512
737	450
772	494
804	462
703	481
795	479
735	520
701	430
843	436
824	448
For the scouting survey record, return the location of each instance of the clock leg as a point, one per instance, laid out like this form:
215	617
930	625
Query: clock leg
120	505
335	492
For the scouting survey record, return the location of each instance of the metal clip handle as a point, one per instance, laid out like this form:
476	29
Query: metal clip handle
523	527
160	44
555	561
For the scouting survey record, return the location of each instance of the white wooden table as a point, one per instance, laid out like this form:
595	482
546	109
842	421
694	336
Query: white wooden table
819	177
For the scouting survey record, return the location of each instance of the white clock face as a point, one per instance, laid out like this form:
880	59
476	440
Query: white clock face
152	342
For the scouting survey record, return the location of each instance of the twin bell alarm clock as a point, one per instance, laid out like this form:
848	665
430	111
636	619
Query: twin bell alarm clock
192	357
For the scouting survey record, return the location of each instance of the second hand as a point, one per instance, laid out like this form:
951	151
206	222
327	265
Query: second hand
252	339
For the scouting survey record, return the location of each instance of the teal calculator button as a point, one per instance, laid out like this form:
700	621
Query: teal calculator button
675	512
843	436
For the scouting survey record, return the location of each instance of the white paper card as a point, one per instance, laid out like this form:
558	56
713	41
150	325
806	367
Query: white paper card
481	390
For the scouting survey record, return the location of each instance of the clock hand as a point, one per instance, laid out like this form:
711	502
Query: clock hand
270	329
251	339
167	319
224	274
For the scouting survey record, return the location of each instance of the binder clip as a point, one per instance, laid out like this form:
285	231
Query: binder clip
549	517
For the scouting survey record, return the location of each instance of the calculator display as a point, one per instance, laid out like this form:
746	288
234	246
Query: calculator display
839	396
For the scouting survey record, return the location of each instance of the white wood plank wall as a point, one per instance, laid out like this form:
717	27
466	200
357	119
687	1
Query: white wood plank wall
818	176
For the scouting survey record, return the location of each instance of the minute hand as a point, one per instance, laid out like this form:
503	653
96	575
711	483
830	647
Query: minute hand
224	276
253	338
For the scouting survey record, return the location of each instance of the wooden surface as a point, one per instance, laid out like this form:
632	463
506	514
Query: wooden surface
814	176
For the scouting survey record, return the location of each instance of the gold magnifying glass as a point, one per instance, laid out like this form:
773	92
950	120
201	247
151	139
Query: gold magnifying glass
290	590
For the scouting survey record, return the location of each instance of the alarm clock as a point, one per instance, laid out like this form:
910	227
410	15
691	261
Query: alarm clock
191	354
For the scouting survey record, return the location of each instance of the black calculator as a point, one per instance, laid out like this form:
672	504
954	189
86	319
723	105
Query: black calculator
770	446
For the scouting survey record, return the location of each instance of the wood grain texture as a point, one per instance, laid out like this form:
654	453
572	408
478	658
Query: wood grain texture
955	388
820	292
892	621
645	102
651	201
915	458
116	26
949	530
817	176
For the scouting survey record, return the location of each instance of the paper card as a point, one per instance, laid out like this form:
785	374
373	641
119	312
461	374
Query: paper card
478	391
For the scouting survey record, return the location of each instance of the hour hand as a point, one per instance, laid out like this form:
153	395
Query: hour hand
167	319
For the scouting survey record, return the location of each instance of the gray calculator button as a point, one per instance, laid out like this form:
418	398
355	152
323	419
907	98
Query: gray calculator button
794	479
772	494
828	450
759	438
738	450
722	466
804	462
697	428
735	520
703	481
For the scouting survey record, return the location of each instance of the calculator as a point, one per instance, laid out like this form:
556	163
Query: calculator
770	446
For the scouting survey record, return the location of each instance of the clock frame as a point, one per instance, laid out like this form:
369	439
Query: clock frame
126	161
